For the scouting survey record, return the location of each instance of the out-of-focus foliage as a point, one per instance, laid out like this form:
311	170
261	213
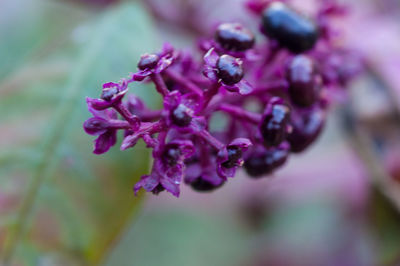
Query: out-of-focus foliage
68	204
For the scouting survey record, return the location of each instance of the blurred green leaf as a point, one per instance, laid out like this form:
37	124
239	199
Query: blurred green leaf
74	204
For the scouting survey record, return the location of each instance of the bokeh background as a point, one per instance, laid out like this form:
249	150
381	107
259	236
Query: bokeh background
336	204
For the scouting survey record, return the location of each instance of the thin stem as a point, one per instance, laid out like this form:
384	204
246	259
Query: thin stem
216	144
119	124
185	82
241	113
160	84
209	94
133	120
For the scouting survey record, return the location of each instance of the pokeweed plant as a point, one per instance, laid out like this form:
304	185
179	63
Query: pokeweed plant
291	74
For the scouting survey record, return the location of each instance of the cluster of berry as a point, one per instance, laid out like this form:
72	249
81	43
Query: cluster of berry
274	95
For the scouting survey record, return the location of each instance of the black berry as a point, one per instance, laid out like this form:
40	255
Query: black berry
171	154
274	126
201	185
306	130
148	61
108	93
291	29
265	163
304	88
234	37
181	115
230	69
234	154
159	188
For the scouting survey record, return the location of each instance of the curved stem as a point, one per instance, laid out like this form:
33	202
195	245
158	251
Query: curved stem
241	113
188	84
160	84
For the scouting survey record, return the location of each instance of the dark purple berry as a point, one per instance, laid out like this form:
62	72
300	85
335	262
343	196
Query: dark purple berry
304	87
201	185
291	29
159	188
230	69
95	126
234	37
265	163
181	115
148	61
171	154
108	93
274	125
306	130
234	155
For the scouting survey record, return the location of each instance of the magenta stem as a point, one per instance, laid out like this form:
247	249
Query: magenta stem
241	113
133	120
209	94
185	82
118	124
205	135
160	84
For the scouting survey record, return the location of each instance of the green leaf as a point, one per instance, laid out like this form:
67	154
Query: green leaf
74	204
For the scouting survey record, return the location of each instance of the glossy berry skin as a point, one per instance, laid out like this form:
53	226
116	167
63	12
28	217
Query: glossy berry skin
265	163
171	154
148	61
291	29
306	130
234	154
304	88
230	69
201	185
181	116
234	37
108	94
274	125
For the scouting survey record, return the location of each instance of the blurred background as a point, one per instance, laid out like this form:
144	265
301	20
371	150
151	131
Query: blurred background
336	204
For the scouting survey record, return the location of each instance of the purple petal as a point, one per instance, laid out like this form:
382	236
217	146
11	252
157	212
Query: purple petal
141	75
244	87
166	49
210	73
172	100
130	141
193	101
226	172
198	124
109	85
242	143
147	182
162	65
95	126
186	147
105	141
211	58
97	104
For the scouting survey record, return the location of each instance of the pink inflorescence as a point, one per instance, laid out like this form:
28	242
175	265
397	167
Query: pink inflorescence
274	92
